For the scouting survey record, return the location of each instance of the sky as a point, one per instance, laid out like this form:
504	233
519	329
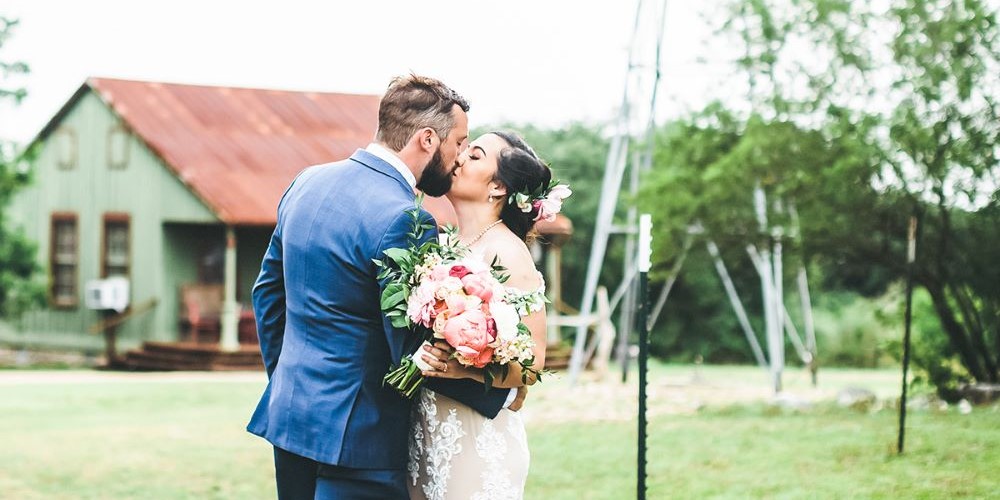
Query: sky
545	62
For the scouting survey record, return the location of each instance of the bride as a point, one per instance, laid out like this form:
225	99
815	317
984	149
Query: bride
499	191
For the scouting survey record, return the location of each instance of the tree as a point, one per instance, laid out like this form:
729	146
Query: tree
914	86
706	170
18	291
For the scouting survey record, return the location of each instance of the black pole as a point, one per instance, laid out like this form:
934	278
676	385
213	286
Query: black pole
911	254
641	325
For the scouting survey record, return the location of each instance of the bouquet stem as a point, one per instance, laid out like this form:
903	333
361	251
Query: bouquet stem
406	378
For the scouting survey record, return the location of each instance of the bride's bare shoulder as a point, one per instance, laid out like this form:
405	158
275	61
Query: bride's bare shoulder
514	255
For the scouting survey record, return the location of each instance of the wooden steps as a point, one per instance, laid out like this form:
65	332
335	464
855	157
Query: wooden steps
557	357
188	356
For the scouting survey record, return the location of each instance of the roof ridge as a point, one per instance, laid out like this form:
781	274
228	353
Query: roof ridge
97	79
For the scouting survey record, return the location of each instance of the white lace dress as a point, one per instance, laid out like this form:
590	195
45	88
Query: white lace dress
456	453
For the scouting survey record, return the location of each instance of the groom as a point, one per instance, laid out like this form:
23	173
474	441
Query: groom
337	431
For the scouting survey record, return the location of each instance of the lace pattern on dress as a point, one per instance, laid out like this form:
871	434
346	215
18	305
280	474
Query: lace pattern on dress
438	446
492	447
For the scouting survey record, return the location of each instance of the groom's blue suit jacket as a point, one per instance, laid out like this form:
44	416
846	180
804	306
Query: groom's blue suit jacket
325	343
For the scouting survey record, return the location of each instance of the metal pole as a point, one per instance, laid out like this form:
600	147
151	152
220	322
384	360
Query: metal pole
807	318
642	316
778	296
734	300
911	257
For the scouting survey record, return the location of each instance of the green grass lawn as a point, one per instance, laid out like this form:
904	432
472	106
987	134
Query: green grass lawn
141	437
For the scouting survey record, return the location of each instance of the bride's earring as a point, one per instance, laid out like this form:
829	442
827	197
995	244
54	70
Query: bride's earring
491	198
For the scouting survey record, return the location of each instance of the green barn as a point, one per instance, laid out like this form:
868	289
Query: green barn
173	187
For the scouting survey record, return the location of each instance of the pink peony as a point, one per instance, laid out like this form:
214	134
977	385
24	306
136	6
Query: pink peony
482	359
469	335
420	306
456	304
479	286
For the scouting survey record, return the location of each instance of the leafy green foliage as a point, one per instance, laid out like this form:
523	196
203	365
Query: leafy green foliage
18	291
906	102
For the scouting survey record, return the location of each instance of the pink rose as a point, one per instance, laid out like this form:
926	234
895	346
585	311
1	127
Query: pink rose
475	284
459	271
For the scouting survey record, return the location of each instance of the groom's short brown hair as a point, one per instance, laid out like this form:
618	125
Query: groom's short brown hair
413	102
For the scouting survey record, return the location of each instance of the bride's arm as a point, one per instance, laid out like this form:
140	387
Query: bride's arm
535	322
523	276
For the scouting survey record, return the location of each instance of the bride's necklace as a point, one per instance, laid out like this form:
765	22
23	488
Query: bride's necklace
483	233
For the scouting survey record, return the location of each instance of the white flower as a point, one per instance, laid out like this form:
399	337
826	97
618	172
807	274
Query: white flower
523	202
506	318
560	192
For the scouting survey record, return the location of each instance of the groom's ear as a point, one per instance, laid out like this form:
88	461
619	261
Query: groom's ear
427	139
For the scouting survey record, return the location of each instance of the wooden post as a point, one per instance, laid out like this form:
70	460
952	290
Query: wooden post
911	258
111	341
554	289
605	333
229	338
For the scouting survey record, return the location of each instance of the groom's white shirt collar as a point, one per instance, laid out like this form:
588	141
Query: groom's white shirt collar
389	157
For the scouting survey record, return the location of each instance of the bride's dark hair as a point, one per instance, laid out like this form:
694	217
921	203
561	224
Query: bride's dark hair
521	171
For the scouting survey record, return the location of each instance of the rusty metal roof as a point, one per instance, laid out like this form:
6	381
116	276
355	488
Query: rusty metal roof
237	149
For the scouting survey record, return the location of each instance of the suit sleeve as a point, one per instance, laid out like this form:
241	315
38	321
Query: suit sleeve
471	393
268	297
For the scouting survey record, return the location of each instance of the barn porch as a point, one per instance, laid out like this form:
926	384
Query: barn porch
209	270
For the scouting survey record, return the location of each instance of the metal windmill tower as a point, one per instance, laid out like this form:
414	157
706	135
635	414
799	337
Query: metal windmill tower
631	151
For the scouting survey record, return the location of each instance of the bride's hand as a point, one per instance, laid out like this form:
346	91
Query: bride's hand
441	352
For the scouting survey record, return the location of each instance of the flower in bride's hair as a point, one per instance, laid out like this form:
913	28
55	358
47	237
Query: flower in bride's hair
523	202
551	204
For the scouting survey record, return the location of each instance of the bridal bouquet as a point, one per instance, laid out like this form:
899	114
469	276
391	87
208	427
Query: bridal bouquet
438	291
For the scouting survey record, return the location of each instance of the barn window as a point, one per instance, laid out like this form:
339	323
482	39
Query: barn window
64	259
117	148
115	257
67	148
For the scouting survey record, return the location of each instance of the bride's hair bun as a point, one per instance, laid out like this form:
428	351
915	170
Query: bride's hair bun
521	171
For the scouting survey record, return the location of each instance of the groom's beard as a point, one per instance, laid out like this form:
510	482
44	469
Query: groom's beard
436	179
